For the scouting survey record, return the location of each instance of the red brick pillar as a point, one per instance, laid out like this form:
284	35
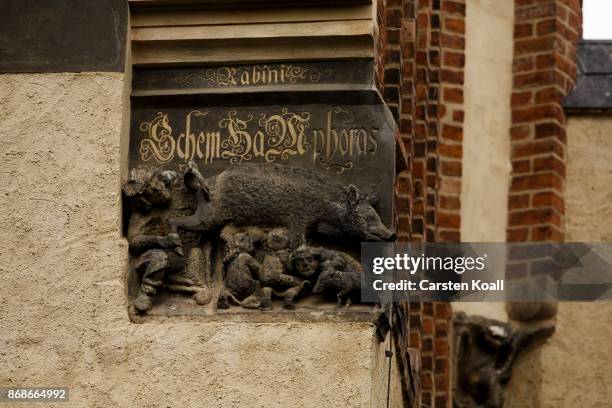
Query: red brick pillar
545	36
420	71
431	43
451	115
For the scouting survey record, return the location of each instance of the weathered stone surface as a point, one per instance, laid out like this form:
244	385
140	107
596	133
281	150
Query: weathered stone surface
281	76
300	166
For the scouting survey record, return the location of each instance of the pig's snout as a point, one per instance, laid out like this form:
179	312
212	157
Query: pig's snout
382	233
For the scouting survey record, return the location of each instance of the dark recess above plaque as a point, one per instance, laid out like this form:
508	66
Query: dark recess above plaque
62	35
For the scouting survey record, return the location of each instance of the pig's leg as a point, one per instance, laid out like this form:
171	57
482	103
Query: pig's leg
339	299
344	292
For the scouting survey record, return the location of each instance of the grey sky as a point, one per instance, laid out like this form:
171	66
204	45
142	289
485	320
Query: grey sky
597	19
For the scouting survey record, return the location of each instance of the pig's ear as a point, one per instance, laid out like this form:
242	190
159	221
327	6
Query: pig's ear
190	181
352	195
372	198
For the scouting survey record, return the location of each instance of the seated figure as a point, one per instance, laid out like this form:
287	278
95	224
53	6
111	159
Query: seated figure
157	255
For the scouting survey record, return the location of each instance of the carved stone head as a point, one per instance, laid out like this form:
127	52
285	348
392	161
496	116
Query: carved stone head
147	188
240	242
277	239
306	261
359	218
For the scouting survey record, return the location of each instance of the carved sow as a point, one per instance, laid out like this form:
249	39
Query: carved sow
280	195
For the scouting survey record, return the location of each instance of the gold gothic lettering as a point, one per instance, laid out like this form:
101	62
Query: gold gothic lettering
272	137
254	75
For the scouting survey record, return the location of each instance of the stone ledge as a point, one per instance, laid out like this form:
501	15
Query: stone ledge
305	314
140	4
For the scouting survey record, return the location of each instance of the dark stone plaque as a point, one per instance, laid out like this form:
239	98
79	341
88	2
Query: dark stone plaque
255	76
62	35
592	90
251	186
352	143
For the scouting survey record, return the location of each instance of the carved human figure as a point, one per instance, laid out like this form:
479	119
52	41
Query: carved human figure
334	271
273	272
156	253
241	271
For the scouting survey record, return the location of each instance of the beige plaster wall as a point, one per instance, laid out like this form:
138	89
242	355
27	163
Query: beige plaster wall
63	301
577	360
588	191
486	140
573	368
486	143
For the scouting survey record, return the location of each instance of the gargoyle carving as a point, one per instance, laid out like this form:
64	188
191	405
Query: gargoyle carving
485	352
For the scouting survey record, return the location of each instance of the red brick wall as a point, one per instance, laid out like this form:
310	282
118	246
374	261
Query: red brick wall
420	63
420	72
431	45
450	114
545	36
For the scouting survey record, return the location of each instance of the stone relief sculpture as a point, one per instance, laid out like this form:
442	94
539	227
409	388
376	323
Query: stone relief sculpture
266	195
260	218
275	268
337	271
241	272
258	267
158	257
485	352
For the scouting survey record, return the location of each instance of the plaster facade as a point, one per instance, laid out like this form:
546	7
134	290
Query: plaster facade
545	376
584	330
63	301
486	143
